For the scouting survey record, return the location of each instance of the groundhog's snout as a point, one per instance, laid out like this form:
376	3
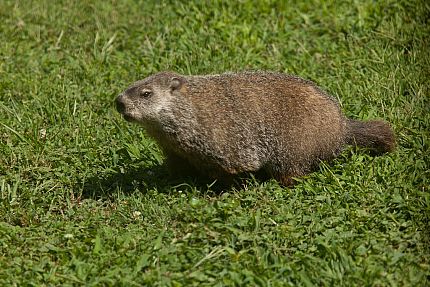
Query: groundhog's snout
119	103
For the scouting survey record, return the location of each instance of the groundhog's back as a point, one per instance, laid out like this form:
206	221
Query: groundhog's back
266	116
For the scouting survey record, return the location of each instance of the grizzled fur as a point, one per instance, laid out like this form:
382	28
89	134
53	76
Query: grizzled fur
233	123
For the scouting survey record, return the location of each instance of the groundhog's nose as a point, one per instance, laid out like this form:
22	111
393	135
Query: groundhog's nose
119	102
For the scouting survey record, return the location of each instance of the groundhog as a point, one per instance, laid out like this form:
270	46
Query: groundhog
225	125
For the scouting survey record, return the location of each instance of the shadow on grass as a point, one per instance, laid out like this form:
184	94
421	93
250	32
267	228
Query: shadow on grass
137	178
140	179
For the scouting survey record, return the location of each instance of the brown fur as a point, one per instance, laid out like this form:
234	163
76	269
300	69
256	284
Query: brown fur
228	124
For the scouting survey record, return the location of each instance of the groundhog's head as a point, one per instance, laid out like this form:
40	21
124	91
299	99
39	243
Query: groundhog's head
149	101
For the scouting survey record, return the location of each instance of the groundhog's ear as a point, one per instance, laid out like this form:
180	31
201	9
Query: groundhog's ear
176	83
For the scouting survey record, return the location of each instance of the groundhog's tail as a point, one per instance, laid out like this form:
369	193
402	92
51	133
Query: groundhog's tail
375	135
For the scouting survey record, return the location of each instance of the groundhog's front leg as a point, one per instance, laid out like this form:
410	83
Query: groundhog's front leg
179	166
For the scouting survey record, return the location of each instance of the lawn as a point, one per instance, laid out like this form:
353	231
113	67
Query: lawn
85	198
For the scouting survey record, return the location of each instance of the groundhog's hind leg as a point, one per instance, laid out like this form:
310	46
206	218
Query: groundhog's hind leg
286	177
287	180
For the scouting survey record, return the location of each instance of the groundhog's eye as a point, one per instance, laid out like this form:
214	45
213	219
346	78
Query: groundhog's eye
145	93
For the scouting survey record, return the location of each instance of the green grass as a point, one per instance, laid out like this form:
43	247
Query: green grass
85	198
